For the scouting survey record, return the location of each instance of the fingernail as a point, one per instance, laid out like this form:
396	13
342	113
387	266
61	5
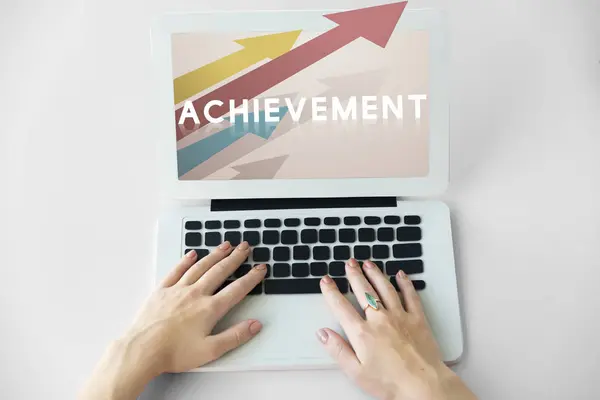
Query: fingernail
368	265
191	254
352	263
255	327
327	279
322	335
225	245
401	274
261	267
243	246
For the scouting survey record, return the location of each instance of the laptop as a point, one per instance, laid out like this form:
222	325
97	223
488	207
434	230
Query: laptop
316	136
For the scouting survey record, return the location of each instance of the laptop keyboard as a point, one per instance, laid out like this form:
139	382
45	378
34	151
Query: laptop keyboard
300	251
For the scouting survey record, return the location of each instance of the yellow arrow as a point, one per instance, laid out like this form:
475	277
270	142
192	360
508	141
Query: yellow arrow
255	49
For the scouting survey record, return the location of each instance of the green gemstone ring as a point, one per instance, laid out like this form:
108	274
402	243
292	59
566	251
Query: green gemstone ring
371	302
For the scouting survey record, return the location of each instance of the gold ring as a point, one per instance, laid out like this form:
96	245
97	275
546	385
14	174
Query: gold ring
372	302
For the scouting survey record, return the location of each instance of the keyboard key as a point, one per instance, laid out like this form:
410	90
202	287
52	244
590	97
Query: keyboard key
327	236
419	285
193	225
272	223
408	266
312	221
385	234
362	252
366	235
301	252
223	285
321	253
381	251
412	220
300	286
289	237
341	253
268	273
309	236
193	239
300	270
242	270
271	237
200	253
213	224
379	264
372	220
352	221
261	254
347	235
213	239
318	269
392	220
281	270
252	223
337	268
258	289
331	221
410	250
281	254
252	237
233	237
408	234
231	224
291	222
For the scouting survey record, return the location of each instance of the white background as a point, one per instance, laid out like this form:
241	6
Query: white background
79	196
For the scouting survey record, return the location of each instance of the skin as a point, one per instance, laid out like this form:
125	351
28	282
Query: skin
391	354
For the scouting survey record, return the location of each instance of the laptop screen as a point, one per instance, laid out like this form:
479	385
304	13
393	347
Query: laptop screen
340	103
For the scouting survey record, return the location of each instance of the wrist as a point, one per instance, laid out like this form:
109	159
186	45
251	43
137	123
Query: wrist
451	387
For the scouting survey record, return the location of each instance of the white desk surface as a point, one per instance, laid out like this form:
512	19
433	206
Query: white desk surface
79	198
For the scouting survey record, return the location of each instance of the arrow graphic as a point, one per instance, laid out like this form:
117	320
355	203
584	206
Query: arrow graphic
255	49
375	24
262	169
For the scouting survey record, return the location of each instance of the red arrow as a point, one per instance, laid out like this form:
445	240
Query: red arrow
375	24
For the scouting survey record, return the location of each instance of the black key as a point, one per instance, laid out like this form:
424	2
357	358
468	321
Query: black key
408	234
233	237
258	289
352	221
321	253
252	223
300	270
272	223
327	236
410	250
300	286
341	253
408	266
291	222
337	268
281	270
301	252
331	221
193	239
381	251
223	285
261	254
193	225
231	224
419	285
268	273
213	224
372	220
213	239
379	264
187	251
366	235
252	237
271	237
312	221
392	220
347	235
309	236
385	234
281	254
412	220
289	237
362	252
318	269
242	270
200	253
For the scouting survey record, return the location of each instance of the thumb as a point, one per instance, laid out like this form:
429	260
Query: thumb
340	351
234	337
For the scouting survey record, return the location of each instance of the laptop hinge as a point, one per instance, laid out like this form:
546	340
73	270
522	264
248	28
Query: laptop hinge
301	203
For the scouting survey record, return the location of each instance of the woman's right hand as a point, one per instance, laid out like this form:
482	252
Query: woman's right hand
392	353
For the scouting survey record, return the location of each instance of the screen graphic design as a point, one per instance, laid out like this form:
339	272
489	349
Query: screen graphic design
351	101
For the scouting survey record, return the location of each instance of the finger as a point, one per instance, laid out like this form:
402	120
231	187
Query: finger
203	265
343	311
340	351
176	273
233	293
385	289
233	337
215	276
412	301
360	284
